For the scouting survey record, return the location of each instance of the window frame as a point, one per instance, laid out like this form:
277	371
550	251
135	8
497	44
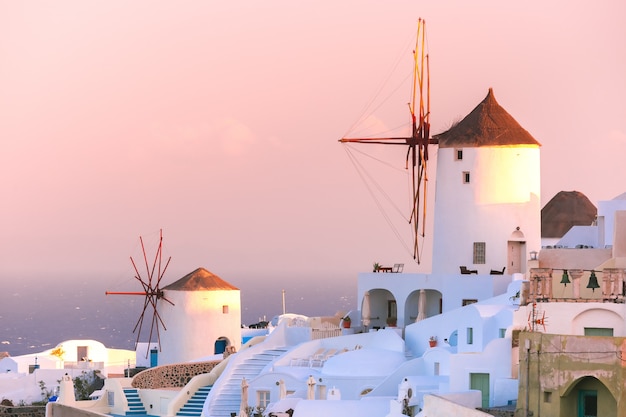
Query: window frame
263	398
479	253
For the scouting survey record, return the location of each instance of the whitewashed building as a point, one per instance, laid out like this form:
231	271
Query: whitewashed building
202	318
440	343
487	208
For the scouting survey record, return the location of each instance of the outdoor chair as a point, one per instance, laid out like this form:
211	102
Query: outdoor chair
466	271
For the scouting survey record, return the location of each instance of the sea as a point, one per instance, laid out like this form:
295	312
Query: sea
36	316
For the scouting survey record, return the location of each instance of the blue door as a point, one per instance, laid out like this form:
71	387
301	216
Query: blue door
220	346
588	403
154	357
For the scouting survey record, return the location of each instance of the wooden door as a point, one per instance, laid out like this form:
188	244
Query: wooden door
480	382
514	264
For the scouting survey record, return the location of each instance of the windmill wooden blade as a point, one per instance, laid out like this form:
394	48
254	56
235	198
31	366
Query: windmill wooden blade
161	274
139	323
418	141
145	260
152	292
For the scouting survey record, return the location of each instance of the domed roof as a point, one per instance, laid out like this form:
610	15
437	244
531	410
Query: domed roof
566	209
200	280
487	125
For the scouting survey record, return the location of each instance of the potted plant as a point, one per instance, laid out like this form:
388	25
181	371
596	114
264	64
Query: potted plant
392	321
346	322
432	341
376	267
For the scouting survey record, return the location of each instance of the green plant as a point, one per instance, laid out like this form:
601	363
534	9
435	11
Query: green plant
376	267
81	387
86	383
45	393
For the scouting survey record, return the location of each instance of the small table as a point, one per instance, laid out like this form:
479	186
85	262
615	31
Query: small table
385	269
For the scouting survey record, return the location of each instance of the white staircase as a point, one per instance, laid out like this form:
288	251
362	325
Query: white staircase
225	396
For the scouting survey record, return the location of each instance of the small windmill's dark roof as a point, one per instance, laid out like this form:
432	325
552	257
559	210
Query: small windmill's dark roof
200	280
487	125
566	209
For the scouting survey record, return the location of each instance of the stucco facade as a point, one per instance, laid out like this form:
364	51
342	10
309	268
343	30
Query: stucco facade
443	293
561	374
491	195
204	316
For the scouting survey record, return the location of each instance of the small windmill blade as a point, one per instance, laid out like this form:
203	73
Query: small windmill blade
151	291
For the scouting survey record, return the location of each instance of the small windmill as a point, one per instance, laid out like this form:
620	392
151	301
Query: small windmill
151	291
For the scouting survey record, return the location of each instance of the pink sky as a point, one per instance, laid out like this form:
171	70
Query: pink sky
218	123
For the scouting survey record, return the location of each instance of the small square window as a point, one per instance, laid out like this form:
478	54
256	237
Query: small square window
468	301
466	177
547	396
458	154
502	333
224	309
470	335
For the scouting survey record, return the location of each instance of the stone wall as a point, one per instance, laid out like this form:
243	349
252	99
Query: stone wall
28	411
499	411
171	376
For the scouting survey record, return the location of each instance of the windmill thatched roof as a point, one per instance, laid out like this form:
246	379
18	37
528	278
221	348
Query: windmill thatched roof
200	280
566	209
487	125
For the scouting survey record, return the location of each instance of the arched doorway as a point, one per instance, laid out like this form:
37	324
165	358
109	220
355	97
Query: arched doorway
220	345
383	308
429	302
588	397
515	253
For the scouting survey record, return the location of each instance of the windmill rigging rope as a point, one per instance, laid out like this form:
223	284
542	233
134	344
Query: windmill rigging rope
367	109
364	175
